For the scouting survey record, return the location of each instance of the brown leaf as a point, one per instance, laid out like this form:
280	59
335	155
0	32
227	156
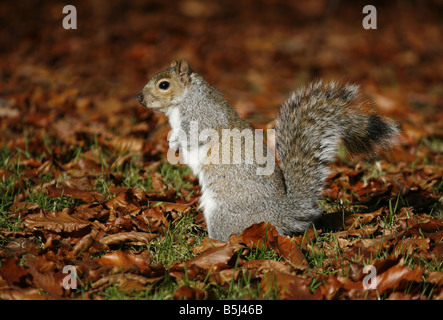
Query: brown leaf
127	282
169	207
157	182
120	258
126	201
208	244
85	243
438	251
189	293
363	232
356	220
400	296
408	245
4	174
17	248
431	226
154	218
137	238
23	294
75	193
288	286
12	272
23	206
330	288
264	234
396	277
435	277
90	212
286	247
124	144
267	265
216	258
48	281
57	222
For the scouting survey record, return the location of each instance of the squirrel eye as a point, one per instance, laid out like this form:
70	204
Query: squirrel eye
164	85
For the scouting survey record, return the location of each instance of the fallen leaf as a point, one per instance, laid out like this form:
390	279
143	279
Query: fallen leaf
85	243
408	245
75	193
435	277
60	221
396	277
264	234
157	182
23	294
361	232
154	218
215	259
208	244
288	286
189	293
267	265
136	238
48	281
12	272
120	258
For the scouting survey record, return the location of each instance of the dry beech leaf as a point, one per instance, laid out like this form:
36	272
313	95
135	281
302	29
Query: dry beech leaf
289	286
73	192
258	234
435	277
189	293
24	294
216	258
90	212
408	245
357	219
396	276
12	272
330	288
16	248
139	238
120	258
363	232
208	244
60	221
267	265
125	144
23	206
127	282
154	218
51	282
122	202
85	243
157	182
226	276
168	207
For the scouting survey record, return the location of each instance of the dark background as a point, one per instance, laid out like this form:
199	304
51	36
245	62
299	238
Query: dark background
255	52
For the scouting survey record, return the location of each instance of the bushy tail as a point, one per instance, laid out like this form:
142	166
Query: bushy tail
310	126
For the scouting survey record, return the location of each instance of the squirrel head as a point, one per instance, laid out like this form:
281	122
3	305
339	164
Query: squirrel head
166	88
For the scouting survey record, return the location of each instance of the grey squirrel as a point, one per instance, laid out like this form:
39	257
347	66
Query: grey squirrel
309	128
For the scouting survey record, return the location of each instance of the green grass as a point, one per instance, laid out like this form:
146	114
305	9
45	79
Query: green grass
176	241
175	244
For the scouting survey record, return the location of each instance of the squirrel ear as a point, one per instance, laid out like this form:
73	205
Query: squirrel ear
173	64
184	71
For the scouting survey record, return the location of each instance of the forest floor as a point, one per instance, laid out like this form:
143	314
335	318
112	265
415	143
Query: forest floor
86	188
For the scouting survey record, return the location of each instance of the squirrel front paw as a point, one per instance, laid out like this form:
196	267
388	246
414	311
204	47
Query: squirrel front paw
174	141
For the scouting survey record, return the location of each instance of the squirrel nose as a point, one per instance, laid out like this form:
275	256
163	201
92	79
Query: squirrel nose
140	97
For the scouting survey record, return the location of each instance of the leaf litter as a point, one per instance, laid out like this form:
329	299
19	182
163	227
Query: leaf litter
83	184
